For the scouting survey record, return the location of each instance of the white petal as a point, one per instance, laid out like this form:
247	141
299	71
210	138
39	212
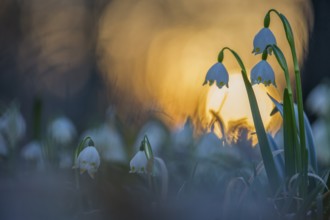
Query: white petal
139	163
263	38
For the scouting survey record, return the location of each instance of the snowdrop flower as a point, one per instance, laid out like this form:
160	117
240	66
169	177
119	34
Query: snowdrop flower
62	130
13	125
139	163
217	73
33	152
88	160
263	73
318	100
263	38
109	143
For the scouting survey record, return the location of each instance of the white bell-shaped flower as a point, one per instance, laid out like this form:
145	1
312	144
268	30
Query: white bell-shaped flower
88	160
218	74
263	38
262	73
139	163
62	130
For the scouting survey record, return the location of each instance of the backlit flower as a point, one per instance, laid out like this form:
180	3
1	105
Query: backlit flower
262	73
218	74
263	38
88	160
139	163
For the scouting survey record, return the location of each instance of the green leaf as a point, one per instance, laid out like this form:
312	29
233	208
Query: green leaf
267	156
147	148
309	133
290	137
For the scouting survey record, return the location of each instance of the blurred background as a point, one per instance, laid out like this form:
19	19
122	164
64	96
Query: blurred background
105	68
146	57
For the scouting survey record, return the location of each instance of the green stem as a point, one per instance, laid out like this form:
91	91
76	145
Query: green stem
295	142
272	173
304	162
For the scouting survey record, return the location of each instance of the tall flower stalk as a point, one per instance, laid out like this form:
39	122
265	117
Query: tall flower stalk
272	172
302	154
295	139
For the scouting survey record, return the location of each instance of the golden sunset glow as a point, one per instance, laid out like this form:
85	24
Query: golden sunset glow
232	103
159	58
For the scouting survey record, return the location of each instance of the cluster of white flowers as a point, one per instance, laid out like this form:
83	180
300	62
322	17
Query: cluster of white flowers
262	72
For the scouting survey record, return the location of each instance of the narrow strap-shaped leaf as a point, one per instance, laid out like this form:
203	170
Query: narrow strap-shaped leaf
278	159
290	149
309	134
310	144
267	156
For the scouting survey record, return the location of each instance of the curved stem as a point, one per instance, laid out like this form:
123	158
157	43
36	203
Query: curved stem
282	62
272	173
289	35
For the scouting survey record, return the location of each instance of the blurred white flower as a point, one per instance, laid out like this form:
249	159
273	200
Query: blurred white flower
13	125
156	134
88	160
62	130
318	100
263	38
109	143
33	152
139	163
3	146
218	74
322	141
262	72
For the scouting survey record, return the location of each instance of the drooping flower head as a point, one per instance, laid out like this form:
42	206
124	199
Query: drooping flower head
262	72
263	38
139	163
218	74
88	160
